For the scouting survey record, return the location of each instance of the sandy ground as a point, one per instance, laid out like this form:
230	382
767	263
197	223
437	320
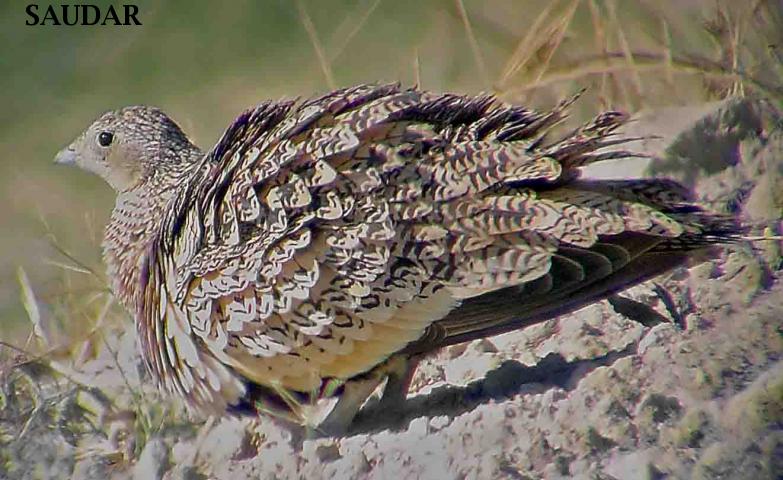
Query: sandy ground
681	377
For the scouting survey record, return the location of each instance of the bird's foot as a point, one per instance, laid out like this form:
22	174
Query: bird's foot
338	422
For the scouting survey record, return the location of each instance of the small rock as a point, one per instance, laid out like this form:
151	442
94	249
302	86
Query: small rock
466	368
658	335
91	467
439	422
153	461
328	453
419	426
185	472
485	345
661	407
596	442
692	429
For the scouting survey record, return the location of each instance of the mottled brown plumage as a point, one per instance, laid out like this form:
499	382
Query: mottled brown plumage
319	239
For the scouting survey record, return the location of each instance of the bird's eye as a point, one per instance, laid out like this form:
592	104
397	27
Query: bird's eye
105	138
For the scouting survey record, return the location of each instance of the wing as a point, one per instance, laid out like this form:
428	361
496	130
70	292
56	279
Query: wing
317	239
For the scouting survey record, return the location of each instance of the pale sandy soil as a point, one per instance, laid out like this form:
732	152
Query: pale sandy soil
680	378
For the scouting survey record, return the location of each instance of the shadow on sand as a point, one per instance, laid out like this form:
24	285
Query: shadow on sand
509	379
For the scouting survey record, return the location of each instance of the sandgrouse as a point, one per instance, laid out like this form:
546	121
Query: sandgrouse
328	242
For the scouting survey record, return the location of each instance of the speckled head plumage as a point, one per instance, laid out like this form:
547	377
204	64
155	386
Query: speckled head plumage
126	146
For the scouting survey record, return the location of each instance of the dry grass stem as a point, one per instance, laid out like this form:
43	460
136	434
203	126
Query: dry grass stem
526	47
626	49
416	68
309	27
601	45
556	39
474	46
645	62
349	28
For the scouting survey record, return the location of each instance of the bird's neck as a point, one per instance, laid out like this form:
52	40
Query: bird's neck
136	219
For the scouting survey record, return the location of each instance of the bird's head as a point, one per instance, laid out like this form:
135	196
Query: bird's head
127	146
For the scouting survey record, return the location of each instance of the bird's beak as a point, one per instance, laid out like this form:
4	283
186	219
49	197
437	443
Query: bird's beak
66	156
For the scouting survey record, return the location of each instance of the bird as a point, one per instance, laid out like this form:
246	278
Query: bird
322	246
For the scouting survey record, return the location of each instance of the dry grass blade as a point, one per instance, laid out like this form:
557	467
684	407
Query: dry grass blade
38	410
775	59
77	264
103	313
18	350
667	52
416	68
738	87
65	266
526	47
291	402
45	327
295	412
711	68
201	437
601	45
137	394
599	31
763	238
578	71
474	46
626	48
557	38
645	61
93	230
30	303
309	27
341	39
546	46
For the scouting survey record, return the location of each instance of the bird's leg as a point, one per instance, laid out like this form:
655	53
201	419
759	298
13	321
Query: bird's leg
397	370
400	370
355	393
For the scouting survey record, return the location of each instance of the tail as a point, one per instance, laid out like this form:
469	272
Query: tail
578	277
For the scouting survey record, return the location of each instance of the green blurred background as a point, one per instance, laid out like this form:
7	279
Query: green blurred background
204	62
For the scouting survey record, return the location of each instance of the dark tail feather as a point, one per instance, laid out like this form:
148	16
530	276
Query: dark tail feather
632	259
503	311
